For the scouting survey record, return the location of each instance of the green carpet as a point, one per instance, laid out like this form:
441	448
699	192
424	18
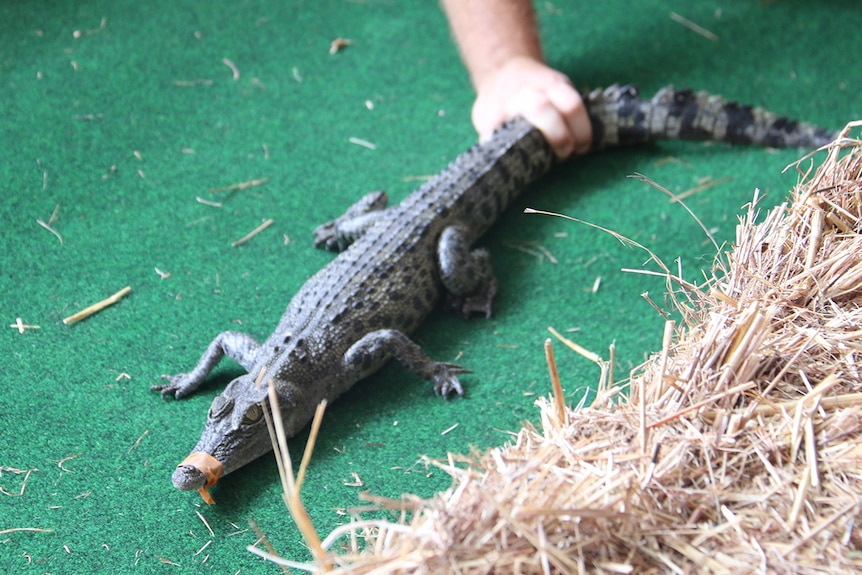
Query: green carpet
118	115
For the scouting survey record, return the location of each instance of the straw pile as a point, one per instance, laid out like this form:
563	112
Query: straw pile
736	450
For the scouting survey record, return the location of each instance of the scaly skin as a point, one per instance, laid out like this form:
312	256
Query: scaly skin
356	313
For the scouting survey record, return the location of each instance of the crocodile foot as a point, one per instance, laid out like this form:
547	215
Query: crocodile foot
178	386
445	378
479	302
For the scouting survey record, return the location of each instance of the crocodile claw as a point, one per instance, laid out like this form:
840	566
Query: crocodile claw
174	388
326	235
445	378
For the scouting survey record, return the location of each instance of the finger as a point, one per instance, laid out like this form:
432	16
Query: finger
537	109
571	107
583	131
486	119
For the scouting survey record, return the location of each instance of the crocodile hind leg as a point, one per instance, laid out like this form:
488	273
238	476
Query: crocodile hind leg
339	233
240	347
466	274
374	349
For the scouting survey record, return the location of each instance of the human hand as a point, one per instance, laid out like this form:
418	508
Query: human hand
544	97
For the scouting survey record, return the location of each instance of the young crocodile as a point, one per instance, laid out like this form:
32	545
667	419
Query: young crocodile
356	313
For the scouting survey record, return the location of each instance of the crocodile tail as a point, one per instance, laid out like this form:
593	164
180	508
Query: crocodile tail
620	117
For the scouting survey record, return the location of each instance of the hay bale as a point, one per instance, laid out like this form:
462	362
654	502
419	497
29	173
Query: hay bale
737	449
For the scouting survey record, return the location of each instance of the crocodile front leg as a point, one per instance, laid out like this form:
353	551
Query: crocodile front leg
240	347
374	349
339	233
466	275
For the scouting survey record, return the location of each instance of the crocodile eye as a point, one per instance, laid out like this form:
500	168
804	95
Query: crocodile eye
220	406
252	414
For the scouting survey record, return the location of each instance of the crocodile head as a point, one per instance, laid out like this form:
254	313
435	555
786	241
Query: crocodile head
235	433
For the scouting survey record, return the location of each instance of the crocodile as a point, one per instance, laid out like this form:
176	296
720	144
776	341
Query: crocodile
395	264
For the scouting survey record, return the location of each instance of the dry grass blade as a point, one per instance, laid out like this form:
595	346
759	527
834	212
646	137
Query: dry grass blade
97	307
266	223
240	186
557	387
292	485
18	529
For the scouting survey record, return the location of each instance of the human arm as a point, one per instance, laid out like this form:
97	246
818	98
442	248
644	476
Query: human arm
499	44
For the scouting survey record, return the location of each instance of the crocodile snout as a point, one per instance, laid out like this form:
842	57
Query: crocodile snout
188	478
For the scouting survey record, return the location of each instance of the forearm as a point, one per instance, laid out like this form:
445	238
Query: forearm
490	33
500	47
